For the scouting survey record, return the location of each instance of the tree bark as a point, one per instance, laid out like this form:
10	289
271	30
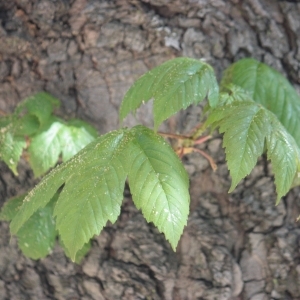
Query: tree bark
87	53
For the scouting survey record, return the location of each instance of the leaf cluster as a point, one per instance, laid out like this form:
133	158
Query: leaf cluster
255	108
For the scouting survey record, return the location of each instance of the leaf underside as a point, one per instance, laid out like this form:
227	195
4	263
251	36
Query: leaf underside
173	86
93	183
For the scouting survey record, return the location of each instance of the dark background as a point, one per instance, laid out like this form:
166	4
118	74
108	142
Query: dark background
87	53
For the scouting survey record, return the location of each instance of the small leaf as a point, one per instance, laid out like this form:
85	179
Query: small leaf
40	105
44	149
247	126
284	154
37	236
269	88
75	136
11	147
158	183
57	137
174	85
26	125
80	254
11	207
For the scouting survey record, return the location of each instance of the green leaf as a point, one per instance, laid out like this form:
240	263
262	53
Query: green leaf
44	149
11	147
247	126
93	191
174	85
93	183
40	105
80	254
75	136
26	126
269	88
37	236
158	183
57	137
284	154
11	207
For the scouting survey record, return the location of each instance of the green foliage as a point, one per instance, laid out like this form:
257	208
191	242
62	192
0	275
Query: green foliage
93	183
58	137
248	127
173	86
269	88
257	110
48	136
37	236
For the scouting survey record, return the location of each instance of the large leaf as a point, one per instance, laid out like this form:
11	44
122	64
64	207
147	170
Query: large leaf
94	180
57	137
158	183
173	86
37	236
269	88
247	126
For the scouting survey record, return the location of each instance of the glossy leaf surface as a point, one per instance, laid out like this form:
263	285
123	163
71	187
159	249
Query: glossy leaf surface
173	86
93	183
58	137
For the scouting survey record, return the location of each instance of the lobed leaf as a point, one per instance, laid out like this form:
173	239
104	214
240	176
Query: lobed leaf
247	128
269	88
93	183
173	86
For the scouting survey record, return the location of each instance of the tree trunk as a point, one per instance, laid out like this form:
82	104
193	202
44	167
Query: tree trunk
87	53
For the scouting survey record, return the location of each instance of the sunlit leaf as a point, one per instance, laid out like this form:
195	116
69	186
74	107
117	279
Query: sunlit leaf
173	86
158	183
57	137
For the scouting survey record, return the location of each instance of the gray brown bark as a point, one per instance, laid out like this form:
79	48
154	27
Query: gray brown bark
87	53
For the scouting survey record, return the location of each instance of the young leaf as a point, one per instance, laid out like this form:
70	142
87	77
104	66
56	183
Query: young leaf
44	149
158	183
269	88
174	85
11	147
57	137
246	126
40	105
80	254
75	136
11	207
37	236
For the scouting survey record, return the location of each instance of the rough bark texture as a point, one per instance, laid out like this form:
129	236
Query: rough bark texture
87	53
